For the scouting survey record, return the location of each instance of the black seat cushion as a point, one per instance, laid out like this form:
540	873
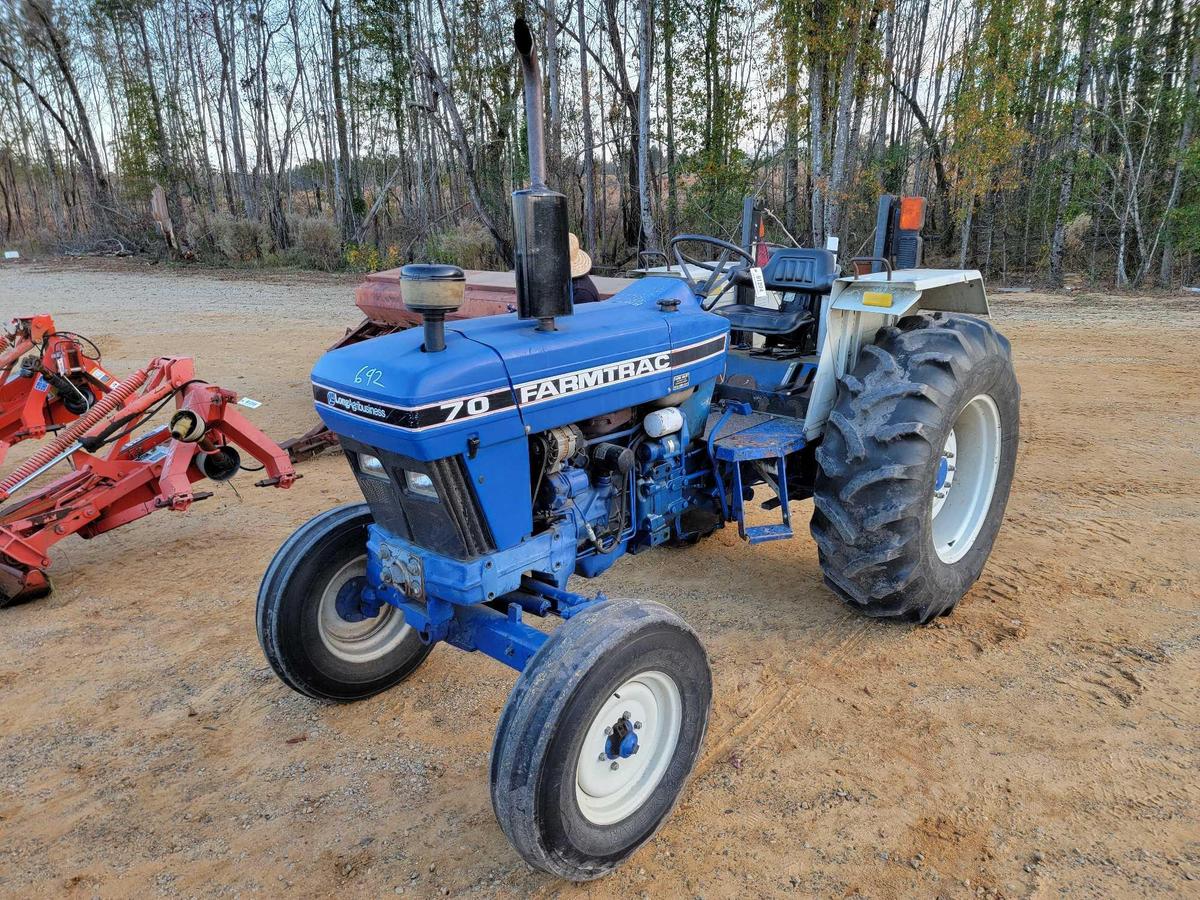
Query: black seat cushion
803	270
762	320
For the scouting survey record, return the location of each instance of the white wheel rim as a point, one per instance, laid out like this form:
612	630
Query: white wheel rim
363	641
608	794
966	478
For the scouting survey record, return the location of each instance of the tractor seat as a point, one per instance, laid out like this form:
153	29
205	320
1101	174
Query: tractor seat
762	320
806	271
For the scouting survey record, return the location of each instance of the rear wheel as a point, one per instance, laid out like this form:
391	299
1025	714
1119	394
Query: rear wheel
915	466
599	736
321	633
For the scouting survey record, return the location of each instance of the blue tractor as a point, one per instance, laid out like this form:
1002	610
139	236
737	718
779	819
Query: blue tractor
500	456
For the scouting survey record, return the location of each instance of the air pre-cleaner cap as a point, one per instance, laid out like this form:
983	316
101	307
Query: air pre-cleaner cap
433	287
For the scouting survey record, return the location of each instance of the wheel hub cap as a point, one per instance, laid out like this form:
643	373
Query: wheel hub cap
353	624
943	474
965	479
623	740
352	604
628	747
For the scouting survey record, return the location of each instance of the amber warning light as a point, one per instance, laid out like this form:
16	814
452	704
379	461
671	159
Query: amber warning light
912	213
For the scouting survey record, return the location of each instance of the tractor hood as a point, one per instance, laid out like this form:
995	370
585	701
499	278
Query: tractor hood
499	378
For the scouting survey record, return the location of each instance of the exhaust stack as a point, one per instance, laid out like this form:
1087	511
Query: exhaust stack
539	214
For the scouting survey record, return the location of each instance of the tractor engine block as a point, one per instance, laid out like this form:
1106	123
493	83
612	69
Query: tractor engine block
622	497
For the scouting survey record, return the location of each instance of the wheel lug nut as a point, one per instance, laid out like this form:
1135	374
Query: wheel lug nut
603	757
615	766
625	715
637	725
608	730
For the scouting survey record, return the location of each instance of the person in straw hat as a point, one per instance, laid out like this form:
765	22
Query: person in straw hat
581	284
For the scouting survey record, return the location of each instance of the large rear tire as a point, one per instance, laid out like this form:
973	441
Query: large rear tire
915	466
599	736
309	617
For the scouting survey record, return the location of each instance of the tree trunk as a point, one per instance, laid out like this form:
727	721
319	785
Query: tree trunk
669	93
965	238
93	167
1058	241
1181	148
554	150
816	141
791	100
649	232
165	162
346	214
629	99
836	194
8	218
589	161
458	135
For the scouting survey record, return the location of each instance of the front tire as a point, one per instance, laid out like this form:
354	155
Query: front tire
599	736
309	625
915	466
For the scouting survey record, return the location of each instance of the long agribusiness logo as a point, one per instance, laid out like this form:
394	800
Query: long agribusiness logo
354	405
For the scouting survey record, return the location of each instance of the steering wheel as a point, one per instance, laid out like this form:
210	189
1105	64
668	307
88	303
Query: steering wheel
722	279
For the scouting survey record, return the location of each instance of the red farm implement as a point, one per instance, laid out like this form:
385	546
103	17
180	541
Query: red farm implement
118	477
47	379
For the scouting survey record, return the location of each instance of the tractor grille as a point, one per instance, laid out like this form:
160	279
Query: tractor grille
442	516
380	496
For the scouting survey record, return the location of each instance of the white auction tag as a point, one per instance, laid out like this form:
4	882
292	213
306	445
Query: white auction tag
249	403
760	286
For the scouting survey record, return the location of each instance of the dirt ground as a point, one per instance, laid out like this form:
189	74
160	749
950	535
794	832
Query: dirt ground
1044	739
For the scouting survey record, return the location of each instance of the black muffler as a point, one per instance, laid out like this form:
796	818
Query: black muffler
539	214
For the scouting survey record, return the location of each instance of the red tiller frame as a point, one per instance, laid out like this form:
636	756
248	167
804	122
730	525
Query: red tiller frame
132	479
30	404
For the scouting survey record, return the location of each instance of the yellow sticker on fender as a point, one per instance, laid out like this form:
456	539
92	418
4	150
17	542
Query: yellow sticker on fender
876	298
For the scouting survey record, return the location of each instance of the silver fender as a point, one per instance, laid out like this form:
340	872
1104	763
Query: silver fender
857	307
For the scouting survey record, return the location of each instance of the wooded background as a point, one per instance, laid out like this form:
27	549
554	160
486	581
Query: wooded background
1051	136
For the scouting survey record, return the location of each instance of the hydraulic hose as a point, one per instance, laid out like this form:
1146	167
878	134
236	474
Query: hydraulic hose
49	453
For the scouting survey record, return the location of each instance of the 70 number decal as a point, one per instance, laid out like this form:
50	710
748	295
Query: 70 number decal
474	406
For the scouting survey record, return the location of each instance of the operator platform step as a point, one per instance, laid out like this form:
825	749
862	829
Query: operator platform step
740	437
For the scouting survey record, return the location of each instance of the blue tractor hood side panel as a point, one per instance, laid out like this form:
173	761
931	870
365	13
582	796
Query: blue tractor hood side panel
499	377
607	356
388	392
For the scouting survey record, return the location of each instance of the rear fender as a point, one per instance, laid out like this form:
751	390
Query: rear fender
858	307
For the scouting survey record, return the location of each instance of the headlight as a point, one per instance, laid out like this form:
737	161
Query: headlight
420	484
370	465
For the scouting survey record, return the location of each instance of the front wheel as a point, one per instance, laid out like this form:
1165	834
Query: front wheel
318	632
599	736
915	466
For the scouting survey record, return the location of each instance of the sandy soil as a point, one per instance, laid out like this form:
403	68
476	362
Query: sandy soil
1043	739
